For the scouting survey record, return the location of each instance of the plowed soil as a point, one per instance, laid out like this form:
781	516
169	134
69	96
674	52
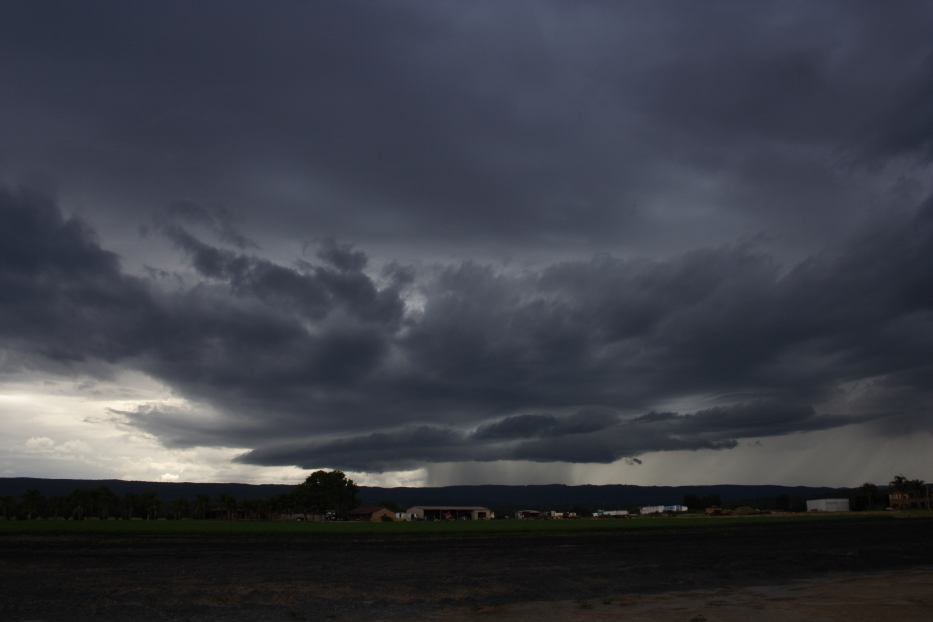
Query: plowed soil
504	576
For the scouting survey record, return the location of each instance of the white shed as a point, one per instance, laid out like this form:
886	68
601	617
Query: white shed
828	505
662	509
450	512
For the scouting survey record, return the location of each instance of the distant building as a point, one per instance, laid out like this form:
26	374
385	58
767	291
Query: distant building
372	513
450	512
828	505
662	509
529	514
610	513
910	500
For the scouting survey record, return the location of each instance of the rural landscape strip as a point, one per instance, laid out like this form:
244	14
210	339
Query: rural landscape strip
340	574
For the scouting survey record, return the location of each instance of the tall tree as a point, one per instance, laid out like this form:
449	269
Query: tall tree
866	497
229	504
202	505
33	503
327	491
901	483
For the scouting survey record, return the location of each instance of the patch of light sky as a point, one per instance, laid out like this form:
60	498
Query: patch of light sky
63	428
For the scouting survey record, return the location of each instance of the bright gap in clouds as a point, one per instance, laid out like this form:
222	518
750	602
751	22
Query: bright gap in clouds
67	429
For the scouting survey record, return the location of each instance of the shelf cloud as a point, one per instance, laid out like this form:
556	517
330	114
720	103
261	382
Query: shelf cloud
321	363
384	236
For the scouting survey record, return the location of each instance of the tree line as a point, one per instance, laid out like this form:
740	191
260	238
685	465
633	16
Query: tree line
866	497
324	494
332	495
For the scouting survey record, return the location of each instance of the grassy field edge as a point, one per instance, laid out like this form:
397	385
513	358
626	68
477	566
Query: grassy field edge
458	528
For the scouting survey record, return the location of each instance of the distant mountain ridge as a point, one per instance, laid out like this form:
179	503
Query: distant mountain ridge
499	497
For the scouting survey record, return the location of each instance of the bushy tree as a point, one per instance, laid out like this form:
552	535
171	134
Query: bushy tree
867	497
33	504
8	507
202	506
901	483
229	505
326	491
698	503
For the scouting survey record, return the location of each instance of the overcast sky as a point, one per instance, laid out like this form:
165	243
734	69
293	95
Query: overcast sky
467	242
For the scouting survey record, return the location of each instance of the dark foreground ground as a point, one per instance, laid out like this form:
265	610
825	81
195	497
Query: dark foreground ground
390	577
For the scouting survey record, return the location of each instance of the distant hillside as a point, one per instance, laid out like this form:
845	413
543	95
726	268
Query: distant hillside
501	498
167	491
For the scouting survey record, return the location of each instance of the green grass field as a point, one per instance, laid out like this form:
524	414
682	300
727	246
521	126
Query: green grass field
429	528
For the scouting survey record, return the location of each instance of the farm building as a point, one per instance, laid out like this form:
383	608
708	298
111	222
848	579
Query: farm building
907	500
450	512
662	509
548	514
610	513
372	513
828	505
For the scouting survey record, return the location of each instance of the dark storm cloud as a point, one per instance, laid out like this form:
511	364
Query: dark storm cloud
579	437
342	256
312	292
62	297
218	221
464	125
725	156
526	426
321	364
247	343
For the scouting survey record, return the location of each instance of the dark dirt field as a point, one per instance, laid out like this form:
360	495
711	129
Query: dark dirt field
377	577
